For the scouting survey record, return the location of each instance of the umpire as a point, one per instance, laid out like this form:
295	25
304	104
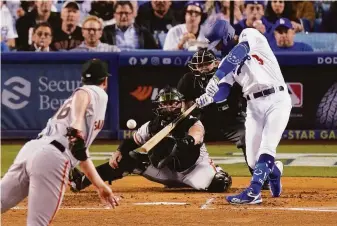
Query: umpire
222	121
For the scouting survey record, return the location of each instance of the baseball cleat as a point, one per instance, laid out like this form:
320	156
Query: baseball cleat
275	185
75	180
245	197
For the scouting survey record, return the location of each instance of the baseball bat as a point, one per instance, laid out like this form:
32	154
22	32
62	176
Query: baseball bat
145	148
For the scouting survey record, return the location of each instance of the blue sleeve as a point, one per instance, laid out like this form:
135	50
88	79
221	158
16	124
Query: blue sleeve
223	92
235	57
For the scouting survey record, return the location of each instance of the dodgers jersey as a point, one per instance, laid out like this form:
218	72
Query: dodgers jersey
93	123
260	69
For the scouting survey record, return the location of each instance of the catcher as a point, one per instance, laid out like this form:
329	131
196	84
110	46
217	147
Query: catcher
229	114
180	159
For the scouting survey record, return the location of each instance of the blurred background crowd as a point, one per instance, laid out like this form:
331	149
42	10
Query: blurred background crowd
113	26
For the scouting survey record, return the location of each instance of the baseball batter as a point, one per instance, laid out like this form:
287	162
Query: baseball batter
185	154
40	170
252	64
224	120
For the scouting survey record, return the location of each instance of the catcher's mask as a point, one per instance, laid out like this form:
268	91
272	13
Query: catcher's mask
168	103
203	64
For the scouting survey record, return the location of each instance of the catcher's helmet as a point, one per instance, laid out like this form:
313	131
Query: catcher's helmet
220	31
202	64
168	103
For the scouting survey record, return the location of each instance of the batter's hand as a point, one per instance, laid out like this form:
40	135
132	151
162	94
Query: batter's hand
115	159
212	86
107	197
204	100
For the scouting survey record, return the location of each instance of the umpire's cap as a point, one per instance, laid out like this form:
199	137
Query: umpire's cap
94	70
219	30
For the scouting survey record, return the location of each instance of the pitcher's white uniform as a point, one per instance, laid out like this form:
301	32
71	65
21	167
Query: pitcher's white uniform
199	176
40	170
267	116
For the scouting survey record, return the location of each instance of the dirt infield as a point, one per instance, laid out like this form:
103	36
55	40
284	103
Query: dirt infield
305	201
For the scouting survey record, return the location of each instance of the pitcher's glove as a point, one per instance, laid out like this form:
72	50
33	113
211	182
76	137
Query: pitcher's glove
76	144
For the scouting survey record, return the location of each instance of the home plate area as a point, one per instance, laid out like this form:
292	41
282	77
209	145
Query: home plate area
305	201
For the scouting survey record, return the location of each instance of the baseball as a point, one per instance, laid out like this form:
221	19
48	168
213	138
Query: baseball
131	124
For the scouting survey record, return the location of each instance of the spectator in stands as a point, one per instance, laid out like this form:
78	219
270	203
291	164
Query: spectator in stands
305	10
125	33
282	9
24	7
329	20
157	16
103	10
284	38
68	35
92	28
187	36
224	13
254	11
26	23
42	38
8	32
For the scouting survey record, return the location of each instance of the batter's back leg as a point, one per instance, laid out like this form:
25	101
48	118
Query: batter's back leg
241	144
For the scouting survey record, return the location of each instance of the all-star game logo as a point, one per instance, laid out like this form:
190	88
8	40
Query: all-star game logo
296	93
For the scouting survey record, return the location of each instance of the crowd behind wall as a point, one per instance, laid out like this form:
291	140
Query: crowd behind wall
113	26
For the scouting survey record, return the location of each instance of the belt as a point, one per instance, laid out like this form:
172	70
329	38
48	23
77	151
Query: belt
58	145
265	92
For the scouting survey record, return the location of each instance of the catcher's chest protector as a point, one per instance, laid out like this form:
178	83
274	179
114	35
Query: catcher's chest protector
187	158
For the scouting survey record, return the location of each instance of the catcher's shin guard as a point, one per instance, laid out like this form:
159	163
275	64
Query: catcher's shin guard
78	181
107	173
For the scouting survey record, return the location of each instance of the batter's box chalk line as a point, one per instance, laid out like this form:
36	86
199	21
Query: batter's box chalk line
105	208
306	209
161	203
207	204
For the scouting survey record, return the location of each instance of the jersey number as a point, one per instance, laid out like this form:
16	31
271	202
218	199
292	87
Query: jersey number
258	59
64	111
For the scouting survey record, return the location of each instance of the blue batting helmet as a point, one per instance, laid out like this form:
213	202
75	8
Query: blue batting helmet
217	31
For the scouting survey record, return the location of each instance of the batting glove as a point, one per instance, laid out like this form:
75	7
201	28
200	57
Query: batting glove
212	86
204	100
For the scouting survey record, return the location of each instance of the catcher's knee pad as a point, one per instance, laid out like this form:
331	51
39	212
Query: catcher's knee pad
220	183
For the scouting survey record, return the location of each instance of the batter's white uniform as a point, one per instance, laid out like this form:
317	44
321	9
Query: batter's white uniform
267	116
40	170
199	176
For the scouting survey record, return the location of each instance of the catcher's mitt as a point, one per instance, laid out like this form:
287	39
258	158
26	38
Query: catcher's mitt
76	144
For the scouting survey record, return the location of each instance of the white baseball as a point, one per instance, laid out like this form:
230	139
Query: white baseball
131	124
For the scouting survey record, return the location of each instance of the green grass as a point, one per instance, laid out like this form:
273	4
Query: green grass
222	150
8	153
